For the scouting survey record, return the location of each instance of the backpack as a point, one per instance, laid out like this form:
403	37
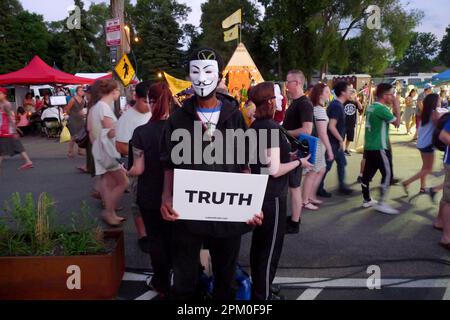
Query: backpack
438	144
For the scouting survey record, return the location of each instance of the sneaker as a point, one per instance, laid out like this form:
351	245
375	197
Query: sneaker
292	227
347	153
144	244
395	181
386	209
369	204
345	191
276	297
324	194
359	179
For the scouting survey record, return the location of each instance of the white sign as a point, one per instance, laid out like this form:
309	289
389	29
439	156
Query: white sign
113	34
58	100
218	196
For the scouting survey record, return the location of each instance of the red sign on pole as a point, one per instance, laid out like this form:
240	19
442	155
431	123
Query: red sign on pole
113	34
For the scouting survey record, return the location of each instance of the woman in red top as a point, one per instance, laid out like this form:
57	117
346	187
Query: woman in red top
10	144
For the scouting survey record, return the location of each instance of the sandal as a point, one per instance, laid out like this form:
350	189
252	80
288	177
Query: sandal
26	166
310	206
316	202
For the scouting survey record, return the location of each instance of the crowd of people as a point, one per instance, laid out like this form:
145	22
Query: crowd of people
134	151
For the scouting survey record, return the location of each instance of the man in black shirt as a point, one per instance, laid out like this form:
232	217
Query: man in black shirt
298	120
351	108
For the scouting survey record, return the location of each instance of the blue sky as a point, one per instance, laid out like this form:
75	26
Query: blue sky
436	19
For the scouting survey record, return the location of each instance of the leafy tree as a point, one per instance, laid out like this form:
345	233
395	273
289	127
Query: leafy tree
215	11
420	55
158	23
444	55
22	35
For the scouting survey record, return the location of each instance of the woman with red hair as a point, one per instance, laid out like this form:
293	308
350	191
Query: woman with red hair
147	165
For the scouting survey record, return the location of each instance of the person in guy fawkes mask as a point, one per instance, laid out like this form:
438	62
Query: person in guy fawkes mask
213	111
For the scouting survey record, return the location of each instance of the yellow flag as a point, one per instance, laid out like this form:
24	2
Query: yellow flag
176	85
235	18
231	34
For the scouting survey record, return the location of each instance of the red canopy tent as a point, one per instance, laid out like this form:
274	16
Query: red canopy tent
38	72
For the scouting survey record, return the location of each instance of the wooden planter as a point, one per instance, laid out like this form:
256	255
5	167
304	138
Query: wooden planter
49	278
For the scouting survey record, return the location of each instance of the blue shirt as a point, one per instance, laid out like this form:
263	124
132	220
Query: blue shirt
447	151
425	138
336	111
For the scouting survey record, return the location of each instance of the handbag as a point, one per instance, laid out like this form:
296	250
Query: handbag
82	138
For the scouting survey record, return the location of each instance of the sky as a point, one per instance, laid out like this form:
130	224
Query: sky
435	21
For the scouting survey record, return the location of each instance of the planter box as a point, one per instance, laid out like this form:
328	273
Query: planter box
50	278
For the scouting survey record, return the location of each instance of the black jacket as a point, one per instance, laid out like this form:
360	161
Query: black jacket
184	118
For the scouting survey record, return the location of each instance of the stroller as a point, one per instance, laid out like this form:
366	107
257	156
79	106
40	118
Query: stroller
52	127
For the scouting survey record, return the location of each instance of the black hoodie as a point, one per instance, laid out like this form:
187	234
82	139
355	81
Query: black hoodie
184	118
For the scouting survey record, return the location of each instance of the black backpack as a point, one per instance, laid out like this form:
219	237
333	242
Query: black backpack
438	144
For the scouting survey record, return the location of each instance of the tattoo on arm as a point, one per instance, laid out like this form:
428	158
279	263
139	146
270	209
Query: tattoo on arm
137	153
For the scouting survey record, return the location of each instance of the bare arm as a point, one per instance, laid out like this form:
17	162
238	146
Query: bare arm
70	105
397	113
323	136
123	148
167	210
277	169
108	123
334	131
306	129
445	137
138	167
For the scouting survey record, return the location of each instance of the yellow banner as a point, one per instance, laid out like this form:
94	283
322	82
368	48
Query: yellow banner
235	18
177	85
231	34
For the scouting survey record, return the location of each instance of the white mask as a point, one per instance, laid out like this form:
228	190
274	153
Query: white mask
279	97
204	75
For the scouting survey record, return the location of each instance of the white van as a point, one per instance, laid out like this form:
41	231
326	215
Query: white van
413	79
41	90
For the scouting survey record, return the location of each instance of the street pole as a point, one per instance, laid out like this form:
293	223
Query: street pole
118	11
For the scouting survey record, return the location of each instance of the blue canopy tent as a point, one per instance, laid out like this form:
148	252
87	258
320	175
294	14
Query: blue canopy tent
444	76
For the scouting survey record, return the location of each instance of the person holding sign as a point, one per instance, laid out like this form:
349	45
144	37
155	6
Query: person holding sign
208	111
267	241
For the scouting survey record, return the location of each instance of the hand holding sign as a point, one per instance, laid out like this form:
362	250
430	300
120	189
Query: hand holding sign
257	220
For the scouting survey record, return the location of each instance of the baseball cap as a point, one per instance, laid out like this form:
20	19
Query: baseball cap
428	86
3	90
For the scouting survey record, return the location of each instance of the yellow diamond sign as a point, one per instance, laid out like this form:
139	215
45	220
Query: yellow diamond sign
125	70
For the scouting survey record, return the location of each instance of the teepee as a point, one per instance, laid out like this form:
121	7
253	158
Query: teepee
242	70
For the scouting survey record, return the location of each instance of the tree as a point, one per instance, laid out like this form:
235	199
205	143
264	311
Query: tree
214	12
420	55
22	35
316	34
158	23
444	55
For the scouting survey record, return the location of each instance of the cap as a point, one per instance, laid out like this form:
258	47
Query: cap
3	90
428	86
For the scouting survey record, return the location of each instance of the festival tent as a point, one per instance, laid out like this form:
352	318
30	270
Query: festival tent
242	70
444	76
38	72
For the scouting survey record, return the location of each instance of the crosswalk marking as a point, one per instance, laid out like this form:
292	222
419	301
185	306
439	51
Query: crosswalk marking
149	295
310	294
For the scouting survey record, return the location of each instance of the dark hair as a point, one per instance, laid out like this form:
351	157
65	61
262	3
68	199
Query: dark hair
411	92
207	54
430	103
160	95
141	89
260	96
37	97
316	92
340	87
382	88
20	110
28	96
78	88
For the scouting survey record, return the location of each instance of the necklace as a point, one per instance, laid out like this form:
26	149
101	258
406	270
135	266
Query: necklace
210	126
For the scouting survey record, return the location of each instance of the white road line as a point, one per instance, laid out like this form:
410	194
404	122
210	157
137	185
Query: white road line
149	295
310	294
360	283
447	294
129	276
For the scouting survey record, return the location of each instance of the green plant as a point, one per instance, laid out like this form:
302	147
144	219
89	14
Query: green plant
32	230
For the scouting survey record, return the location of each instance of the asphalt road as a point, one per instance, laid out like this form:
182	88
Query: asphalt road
339	241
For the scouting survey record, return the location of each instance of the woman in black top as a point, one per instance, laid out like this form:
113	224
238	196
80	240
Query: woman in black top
147	165
275	160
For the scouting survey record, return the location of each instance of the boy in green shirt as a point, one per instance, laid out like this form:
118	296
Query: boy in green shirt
377	148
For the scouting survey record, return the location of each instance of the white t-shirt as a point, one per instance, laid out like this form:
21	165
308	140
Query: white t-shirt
210	118
96	115
128	122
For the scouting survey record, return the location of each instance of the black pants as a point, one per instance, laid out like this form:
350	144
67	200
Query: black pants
377	160
160	236
267	244
186	248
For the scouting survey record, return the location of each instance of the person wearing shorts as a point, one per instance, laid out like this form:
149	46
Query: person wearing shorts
351	109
